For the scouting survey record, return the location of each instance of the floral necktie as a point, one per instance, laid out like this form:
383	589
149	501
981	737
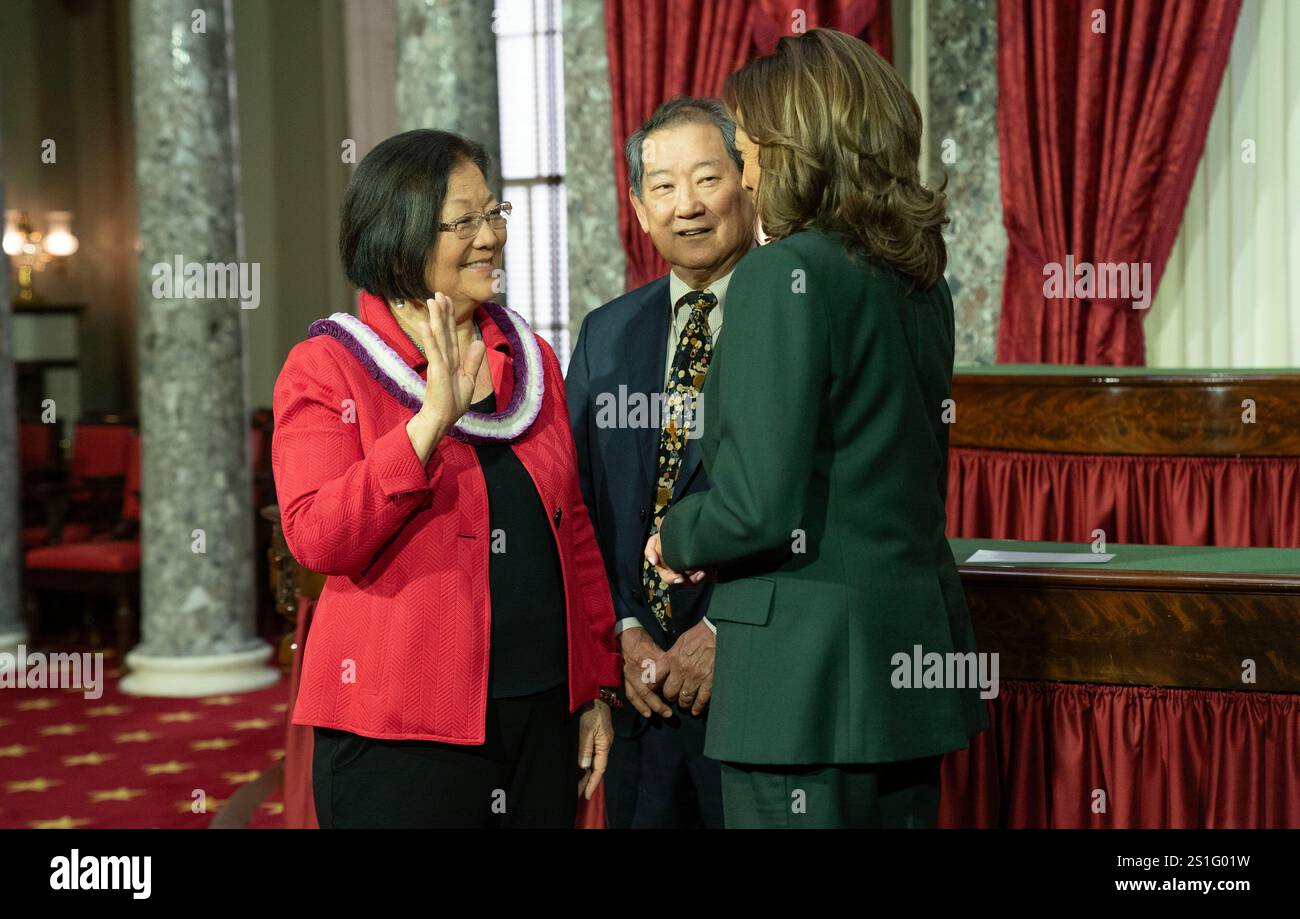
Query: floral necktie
685	379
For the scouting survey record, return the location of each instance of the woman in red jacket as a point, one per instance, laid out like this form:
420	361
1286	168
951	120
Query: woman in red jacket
460	658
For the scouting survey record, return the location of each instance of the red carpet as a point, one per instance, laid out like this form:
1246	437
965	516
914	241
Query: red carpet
130	762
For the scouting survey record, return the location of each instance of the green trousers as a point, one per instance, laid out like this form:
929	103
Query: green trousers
902	795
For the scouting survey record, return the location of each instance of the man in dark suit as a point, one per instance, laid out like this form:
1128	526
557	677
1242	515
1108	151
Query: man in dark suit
633	381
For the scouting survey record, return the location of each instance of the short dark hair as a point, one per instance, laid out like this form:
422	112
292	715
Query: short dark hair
680	110
393	206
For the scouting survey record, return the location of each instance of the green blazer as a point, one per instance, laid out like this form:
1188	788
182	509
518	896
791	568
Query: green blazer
823	436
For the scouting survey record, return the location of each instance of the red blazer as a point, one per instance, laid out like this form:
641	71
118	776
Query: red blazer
398	646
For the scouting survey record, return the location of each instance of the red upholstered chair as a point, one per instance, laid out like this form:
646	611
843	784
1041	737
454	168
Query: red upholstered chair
40	463
38	534
38	449
97	567
89	500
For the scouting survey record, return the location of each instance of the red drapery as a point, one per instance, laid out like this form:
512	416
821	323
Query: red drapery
1165	757
1162	758
1161	500
658	49
870	20
1099	136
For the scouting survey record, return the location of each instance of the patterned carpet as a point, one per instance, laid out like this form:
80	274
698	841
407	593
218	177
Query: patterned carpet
123	761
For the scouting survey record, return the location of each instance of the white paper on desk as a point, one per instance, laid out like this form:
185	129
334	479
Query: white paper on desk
995	556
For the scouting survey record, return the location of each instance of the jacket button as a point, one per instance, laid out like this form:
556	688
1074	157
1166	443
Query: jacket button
557	516
643	515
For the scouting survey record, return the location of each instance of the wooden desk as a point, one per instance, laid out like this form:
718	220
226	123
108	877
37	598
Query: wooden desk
1045	408
1174	616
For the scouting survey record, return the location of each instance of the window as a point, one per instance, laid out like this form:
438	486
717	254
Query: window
530	77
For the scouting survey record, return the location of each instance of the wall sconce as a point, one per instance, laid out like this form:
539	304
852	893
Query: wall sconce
32	250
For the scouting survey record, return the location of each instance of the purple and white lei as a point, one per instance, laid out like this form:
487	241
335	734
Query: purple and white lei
401	382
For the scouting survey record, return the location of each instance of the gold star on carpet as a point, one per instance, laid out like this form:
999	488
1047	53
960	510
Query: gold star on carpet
187	807
88	759
179	716
254	724
275	754
219	743
220	700
281	707
114	794
171	768
62	823
3	722
36	705
62	730
109	710
239	778
32	785
136	737
275	807
16	750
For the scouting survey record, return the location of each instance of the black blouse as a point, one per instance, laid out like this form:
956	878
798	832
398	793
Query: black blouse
529	651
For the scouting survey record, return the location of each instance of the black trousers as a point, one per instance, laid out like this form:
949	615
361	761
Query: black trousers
659	778
525	774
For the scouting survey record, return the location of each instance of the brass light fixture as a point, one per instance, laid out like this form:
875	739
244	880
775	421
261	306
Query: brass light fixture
32	249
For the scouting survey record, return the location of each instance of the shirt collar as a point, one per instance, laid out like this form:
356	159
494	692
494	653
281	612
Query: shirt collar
677	288
375	313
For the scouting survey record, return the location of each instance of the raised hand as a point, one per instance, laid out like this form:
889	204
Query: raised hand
449	386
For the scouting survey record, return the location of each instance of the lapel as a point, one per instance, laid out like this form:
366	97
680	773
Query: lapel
643	354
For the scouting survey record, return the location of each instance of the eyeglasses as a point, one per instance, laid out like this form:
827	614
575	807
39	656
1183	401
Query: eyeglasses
467	227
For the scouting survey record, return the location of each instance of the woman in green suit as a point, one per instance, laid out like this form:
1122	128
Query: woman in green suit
846	662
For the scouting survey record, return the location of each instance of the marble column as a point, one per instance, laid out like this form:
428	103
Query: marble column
960	44
447	72
596	259
12	632
197	520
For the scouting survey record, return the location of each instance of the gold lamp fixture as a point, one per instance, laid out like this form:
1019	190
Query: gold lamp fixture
32	249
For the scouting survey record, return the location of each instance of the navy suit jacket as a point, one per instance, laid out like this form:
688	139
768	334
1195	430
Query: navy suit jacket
623	344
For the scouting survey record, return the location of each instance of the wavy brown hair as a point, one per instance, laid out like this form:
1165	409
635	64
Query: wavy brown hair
839	136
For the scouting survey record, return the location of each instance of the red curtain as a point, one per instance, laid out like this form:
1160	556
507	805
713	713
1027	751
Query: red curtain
1099	135
870	20
658	49
1164	758
1161	500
